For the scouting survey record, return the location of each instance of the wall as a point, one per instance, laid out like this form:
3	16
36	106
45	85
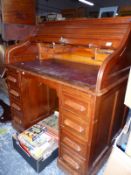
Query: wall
44	6
116	3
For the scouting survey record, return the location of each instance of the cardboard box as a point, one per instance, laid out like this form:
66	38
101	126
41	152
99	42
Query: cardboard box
38	165
127	101
119	163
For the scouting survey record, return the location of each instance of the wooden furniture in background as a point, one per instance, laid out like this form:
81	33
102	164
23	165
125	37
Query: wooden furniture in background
80	67
93	14
74	13
125	11
17	22
18	12
18	19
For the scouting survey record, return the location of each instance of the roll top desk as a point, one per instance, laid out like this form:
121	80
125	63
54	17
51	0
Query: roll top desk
79	67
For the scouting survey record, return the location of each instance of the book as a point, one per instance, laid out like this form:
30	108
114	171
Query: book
26	149
39	148
41	139
33	132
35	143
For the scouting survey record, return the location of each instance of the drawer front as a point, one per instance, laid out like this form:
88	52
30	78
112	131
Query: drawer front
12	70
74	125
18	126
17	114
16	100
13	77
15	106
80	147
14	94
12	81
76	93
72	160
76	106
17	119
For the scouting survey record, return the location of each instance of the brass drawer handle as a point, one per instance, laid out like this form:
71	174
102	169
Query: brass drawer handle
73	125
15	106
12	79
71	162
72	144
75	105
15	93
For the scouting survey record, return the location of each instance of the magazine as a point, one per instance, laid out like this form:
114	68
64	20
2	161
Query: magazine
34	132
40	147
41	139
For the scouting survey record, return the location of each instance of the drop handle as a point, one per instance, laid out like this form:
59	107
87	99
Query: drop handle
75	105
72	144
71	162
15	106
73	126
15	93
12	79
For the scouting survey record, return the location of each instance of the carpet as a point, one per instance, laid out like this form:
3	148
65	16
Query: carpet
5	112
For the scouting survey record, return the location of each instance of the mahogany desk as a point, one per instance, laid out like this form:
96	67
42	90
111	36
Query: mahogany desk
87	89
76	103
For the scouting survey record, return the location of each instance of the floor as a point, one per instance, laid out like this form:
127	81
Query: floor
11	162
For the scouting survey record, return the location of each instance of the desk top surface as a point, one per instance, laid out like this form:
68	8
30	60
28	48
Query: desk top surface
75	73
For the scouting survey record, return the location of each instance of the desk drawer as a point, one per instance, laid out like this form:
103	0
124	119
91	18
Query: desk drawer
17	119
15	100
12	76
74	125
11	70
12	81
14	94
15	106
74	92
77	106
72	160
80	147
18	126
16	110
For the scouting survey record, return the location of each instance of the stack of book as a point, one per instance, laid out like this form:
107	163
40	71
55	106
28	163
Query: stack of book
38	141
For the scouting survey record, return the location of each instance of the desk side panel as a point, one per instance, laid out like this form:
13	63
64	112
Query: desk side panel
24	51
110	115
115	69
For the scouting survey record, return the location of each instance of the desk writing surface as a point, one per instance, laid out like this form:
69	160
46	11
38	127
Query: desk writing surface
74	73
